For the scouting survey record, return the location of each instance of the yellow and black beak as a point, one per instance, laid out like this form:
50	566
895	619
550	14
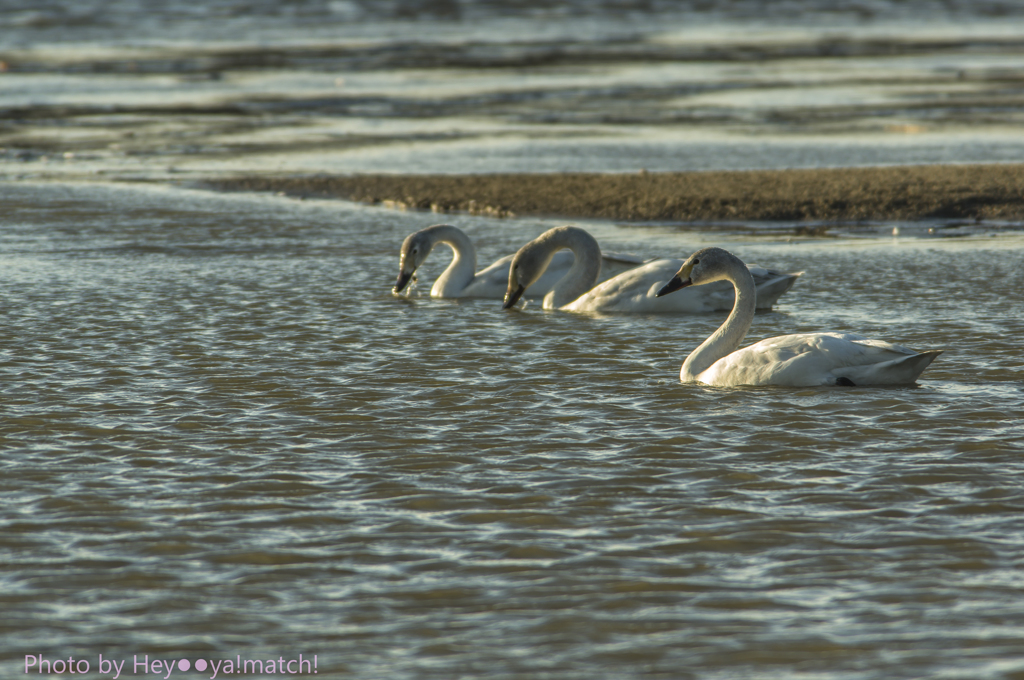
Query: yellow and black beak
675	284
680	280
512	297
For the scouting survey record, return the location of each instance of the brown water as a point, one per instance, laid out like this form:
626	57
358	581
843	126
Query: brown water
224	439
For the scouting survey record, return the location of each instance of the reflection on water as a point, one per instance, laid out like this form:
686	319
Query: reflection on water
224	436
478	87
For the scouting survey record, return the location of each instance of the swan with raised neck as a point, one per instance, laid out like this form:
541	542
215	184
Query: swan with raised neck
800	359
720	265
531	261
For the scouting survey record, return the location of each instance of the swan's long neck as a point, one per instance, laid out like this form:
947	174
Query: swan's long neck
730	334
585	270
462	269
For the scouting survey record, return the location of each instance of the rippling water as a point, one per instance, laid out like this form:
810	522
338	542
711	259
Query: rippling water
182	90
224	438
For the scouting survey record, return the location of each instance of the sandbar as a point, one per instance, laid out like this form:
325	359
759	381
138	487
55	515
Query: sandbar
978	192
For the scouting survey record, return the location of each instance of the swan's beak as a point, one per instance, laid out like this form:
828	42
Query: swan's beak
403	280
512	297
675	284
680	280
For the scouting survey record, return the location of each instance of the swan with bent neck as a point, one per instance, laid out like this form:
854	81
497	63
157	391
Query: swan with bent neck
633	290
798	360
460	278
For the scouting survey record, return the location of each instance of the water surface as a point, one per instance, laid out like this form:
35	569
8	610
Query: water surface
223	437
178	91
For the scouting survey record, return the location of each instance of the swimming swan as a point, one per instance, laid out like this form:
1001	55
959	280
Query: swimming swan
630	291
802	359
460	278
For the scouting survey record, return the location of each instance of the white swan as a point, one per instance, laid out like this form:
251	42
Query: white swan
802	359
460	278
634	290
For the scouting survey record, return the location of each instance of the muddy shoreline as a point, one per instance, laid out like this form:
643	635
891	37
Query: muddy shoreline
842	194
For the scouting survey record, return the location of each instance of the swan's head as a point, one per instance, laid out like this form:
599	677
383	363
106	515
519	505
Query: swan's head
415	249
707	265
516	287
527	266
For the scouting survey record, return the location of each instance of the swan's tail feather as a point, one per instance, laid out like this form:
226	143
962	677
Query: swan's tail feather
901	371
770	289
923	360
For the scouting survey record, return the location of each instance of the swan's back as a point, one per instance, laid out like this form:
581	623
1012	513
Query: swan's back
808	359
633	291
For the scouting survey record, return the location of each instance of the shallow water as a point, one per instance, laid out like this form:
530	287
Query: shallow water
224	438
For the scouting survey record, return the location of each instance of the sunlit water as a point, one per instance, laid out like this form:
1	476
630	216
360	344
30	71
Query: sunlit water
184	90
223	438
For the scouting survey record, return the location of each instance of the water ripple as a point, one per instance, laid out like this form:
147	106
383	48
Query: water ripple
257	441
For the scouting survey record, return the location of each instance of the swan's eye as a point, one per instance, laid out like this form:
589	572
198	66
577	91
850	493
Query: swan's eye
696	262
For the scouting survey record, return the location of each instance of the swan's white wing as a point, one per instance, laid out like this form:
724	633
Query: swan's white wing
807	359
630	291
